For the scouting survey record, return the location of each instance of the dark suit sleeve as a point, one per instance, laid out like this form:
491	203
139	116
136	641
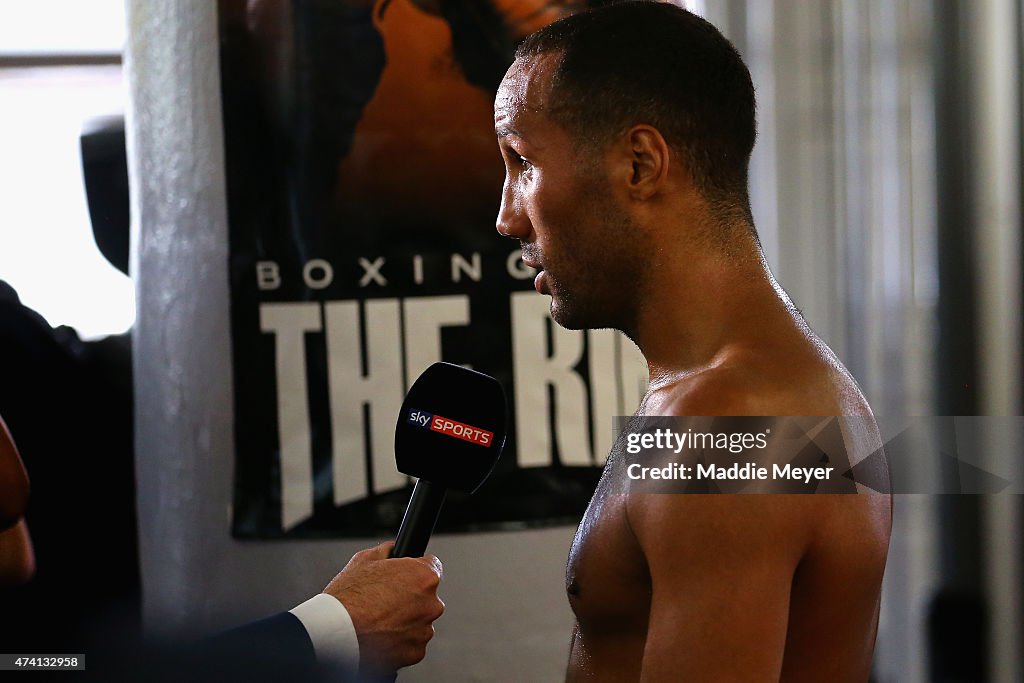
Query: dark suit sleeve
273	649
270	650
282	634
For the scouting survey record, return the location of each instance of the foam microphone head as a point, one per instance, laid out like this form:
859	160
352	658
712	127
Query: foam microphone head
452	427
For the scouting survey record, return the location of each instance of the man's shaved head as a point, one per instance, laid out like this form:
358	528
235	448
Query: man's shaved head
654	63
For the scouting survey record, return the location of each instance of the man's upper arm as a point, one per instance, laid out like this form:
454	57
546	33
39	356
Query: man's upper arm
13	481
721	567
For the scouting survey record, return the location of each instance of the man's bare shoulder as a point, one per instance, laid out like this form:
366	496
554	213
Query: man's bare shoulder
802	380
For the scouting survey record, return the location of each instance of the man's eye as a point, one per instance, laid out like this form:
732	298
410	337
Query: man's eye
523	163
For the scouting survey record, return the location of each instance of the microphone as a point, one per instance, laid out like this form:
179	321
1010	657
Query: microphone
449	435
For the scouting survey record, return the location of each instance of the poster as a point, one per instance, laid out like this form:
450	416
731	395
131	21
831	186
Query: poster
363	180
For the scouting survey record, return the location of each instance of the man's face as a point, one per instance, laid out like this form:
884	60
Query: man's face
557	202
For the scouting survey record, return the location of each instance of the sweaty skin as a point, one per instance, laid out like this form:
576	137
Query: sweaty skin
13	480
17	558
690	587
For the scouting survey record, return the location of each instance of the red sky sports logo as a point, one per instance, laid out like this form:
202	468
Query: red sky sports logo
459	430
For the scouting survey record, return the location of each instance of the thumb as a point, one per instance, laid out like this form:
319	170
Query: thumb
380	552
377	552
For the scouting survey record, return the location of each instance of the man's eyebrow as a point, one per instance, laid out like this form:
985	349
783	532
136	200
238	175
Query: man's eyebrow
505	131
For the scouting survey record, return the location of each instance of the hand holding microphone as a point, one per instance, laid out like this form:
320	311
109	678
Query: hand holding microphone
449	435
393	604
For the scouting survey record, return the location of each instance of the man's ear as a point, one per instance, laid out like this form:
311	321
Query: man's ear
650	161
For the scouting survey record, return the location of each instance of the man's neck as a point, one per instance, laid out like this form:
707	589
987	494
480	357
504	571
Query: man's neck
701	301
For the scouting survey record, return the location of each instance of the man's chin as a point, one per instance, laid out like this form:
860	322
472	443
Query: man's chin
573	318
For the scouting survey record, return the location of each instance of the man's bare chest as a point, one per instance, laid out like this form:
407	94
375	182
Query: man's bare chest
606	576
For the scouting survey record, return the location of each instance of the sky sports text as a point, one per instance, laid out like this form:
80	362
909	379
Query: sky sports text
443	425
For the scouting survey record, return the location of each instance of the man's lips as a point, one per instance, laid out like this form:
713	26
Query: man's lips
532	264
539	279
540	282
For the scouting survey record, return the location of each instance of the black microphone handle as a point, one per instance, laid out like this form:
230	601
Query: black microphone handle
420	517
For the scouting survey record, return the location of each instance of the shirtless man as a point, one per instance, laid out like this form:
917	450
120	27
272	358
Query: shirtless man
626	134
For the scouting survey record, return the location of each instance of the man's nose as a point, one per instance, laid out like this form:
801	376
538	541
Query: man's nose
512	220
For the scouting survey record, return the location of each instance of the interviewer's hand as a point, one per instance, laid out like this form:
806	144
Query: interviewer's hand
393	603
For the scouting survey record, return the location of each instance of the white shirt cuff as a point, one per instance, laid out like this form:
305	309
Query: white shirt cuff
330	628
